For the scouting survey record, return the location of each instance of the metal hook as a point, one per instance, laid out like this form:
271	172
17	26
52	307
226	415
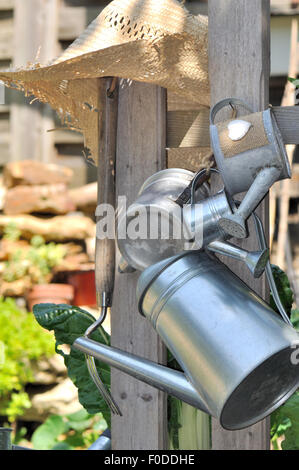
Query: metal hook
234	110
111	89
92	366
263	246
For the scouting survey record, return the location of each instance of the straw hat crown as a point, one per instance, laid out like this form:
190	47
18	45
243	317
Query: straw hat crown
126	20
153	41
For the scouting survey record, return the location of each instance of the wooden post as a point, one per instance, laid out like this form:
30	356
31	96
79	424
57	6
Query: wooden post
141	142
285	185
239	66
35	39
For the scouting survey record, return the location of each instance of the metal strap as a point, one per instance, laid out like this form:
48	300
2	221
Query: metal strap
227	102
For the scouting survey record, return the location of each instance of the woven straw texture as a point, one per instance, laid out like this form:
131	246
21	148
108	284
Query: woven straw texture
255	138
154	41
190	158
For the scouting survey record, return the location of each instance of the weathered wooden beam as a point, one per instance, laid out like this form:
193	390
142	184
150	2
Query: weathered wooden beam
4	148
7	4
35	38
4	109
6	38
73	20
67	137
239	66
284	203
140	153
188	128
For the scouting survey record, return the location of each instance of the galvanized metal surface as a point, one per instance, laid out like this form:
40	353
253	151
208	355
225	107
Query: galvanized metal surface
254	170
191	227
5	439
232	346
159	217
161	377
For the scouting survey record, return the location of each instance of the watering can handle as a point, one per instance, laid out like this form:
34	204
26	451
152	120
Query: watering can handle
227	102
263	245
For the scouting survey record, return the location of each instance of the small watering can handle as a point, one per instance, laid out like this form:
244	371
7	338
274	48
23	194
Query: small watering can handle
263	245
196	179
227	102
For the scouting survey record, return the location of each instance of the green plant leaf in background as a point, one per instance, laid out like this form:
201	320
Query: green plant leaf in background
284	290
294	81
285	420
68	324
80	420
46	436
24	343
69	432
295	318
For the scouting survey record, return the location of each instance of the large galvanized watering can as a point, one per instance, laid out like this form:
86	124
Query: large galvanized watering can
170	229
237	354
250	156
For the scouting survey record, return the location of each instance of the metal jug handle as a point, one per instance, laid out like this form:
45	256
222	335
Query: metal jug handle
198	175
263	245
227	102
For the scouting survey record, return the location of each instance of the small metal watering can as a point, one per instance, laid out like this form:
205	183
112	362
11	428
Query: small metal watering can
235	351
250	156
171	229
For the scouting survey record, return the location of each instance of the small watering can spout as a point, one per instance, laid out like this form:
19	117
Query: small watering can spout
234	224
256	261
163	378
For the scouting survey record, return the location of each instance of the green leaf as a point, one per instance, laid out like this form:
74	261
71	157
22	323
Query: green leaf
75	440
285	421
294	81
291	410
174	420
295	318
24	344
80	420
284	290
62	446
45	437
100	424
68	324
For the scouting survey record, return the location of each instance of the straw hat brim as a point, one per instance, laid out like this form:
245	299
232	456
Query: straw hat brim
177	61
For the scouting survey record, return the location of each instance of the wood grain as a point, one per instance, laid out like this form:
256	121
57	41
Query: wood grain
33	40
7	4
140	153
239	66
105	248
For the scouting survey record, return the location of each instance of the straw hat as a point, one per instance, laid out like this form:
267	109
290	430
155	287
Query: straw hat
154	41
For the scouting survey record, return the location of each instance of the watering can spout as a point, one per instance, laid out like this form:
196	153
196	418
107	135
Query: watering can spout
255	261
234	224
161	377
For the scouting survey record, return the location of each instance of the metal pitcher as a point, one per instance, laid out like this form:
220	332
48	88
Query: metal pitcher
250	156
193	226
156	210
235	351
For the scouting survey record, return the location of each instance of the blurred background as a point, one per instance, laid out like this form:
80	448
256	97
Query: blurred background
47	204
